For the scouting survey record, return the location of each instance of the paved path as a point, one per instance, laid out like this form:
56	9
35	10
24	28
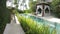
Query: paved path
13	28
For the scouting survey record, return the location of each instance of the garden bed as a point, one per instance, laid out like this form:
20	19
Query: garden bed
32	27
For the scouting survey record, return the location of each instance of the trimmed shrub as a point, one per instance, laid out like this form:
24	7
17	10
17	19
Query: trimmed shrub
32	27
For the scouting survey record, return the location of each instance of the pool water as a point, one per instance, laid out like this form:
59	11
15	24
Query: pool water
45	22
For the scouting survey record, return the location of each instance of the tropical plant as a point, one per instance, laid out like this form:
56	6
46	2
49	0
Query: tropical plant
56	7
33	6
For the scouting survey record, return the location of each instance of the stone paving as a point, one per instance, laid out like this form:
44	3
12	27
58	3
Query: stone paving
13	28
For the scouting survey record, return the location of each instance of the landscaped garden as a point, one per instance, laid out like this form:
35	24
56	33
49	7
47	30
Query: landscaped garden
31	25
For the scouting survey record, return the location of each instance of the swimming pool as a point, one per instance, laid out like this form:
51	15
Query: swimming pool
52	25
46	23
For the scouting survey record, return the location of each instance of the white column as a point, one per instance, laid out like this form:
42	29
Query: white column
41	12
36	10
40	6
44	12
49	11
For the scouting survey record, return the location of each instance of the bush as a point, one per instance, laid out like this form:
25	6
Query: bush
33	6
55	5
4	18
28	11
31	27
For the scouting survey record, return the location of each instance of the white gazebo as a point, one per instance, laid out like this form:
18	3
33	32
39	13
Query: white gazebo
42	7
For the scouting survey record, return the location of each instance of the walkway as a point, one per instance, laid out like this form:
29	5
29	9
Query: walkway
13	28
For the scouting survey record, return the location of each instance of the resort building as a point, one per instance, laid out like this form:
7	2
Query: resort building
22	4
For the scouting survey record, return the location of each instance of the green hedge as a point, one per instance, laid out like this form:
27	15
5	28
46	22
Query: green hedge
4	18
4	15
32	27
